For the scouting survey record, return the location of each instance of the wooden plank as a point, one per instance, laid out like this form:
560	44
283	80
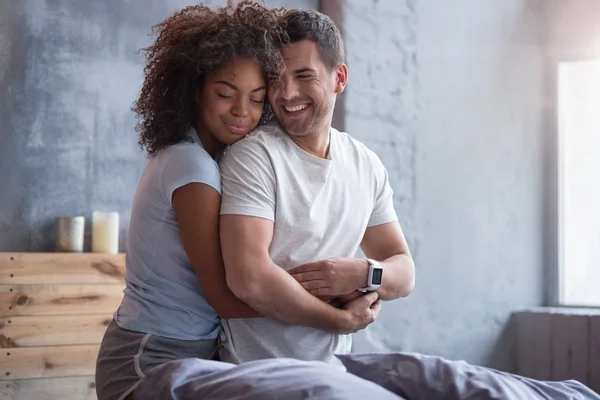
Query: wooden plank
579	356
21	300
52	268
560	347
76	388
594	339
533	345
54	330
541	343
524	360
47	362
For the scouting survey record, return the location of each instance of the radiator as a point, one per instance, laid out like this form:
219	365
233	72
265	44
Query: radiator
556	344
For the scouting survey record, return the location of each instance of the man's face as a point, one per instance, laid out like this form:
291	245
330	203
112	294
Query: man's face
304	98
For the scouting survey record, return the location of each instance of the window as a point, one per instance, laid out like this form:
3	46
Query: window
579	182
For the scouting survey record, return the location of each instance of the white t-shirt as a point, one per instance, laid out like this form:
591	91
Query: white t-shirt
320	208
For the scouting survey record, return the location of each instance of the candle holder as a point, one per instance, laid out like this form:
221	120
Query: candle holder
70	234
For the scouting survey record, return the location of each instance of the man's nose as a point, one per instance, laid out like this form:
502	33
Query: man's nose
290	89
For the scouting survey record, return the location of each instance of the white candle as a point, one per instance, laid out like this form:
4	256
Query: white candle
105	232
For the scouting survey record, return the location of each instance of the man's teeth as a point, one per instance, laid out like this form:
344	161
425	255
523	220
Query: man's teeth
295	108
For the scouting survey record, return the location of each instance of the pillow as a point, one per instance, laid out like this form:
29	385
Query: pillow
257	380
418	376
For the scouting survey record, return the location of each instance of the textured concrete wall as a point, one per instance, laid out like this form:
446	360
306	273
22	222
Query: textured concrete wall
450	96
69	73
447	94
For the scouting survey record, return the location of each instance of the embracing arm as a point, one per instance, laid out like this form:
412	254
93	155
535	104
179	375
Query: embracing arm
197	208
254	278
383	241
341	277
386	243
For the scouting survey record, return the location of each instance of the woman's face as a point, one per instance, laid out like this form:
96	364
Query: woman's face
231	100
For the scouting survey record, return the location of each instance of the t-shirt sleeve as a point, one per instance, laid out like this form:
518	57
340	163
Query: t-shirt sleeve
383	210
248	181
186	164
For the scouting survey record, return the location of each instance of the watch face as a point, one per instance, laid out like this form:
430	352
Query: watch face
377	275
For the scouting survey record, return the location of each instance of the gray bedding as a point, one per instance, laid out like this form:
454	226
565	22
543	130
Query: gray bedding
381	376
272	379
418	376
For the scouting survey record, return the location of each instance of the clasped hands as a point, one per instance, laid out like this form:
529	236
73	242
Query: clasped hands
335	278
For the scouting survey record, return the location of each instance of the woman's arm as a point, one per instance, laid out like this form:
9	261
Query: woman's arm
197	208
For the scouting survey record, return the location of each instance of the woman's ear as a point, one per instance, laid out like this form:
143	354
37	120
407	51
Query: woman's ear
341	78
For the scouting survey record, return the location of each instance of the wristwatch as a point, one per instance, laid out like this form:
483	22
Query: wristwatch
375	276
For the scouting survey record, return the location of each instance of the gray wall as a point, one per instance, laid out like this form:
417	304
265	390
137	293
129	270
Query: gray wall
450	95
69	72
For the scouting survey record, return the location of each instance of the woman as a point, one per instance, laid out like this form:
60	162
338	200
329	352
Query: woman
205	88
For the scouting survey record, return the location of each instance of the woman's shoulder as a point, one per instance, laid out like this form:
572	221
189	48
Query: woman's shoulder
187	162
186	153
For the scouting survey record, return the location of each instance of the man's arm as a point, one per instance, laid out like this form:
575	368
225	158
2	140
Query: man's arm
386	243
383	241
197	208
342	277
255	279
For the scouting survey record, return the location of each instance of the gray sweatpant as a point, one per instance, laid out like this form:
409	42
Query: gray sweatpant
125	357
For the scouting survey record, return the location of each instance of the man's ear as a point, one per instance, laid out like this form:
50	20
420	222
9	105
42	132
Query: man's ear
341	78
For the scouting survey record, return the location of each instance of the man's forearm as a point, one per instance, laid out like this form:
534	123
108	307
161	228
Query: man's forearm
398	277
277	295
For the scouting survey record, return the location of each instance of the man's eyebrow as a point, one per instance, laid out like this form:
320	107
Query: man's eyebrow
303	70
231	85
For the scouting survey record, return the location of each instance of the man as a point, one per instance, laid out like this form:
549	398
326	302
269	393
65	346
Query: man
298	200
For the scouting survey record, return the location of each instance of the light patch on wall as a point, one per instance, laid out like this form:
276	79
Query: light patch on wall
579	190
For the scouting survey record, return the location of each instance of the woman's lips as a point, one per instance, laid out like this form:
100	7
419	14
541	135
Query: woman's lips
236	128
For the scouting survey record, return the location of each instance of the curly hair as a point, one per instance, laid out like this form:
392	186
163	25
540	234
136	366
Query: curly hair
191	43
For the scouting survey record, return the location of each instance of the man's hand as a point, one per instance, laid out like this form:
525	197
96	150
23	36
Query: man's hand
362	312
332	277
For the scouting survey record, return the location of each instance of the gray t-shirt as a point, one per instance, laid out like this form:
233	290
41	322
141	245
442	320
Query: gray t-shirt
320	208
163	296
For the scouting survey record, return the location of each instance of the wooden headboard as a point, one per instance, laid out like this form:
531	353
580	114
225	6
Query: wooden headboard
54	308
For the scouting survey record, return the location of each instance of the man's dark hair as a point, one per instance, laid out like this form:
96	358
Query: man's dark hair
318	27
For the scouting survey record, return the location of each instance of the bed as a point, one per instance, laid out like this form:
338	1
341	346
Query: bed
377	376
55	308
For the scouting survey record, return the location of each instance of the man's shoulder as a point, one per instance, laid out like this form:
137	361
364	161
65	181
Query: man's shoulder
267	131
263	140
349	144
265	135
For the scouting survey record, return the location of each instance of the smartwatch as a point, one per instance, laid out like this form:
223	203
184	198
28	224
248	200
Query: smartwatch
375	276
